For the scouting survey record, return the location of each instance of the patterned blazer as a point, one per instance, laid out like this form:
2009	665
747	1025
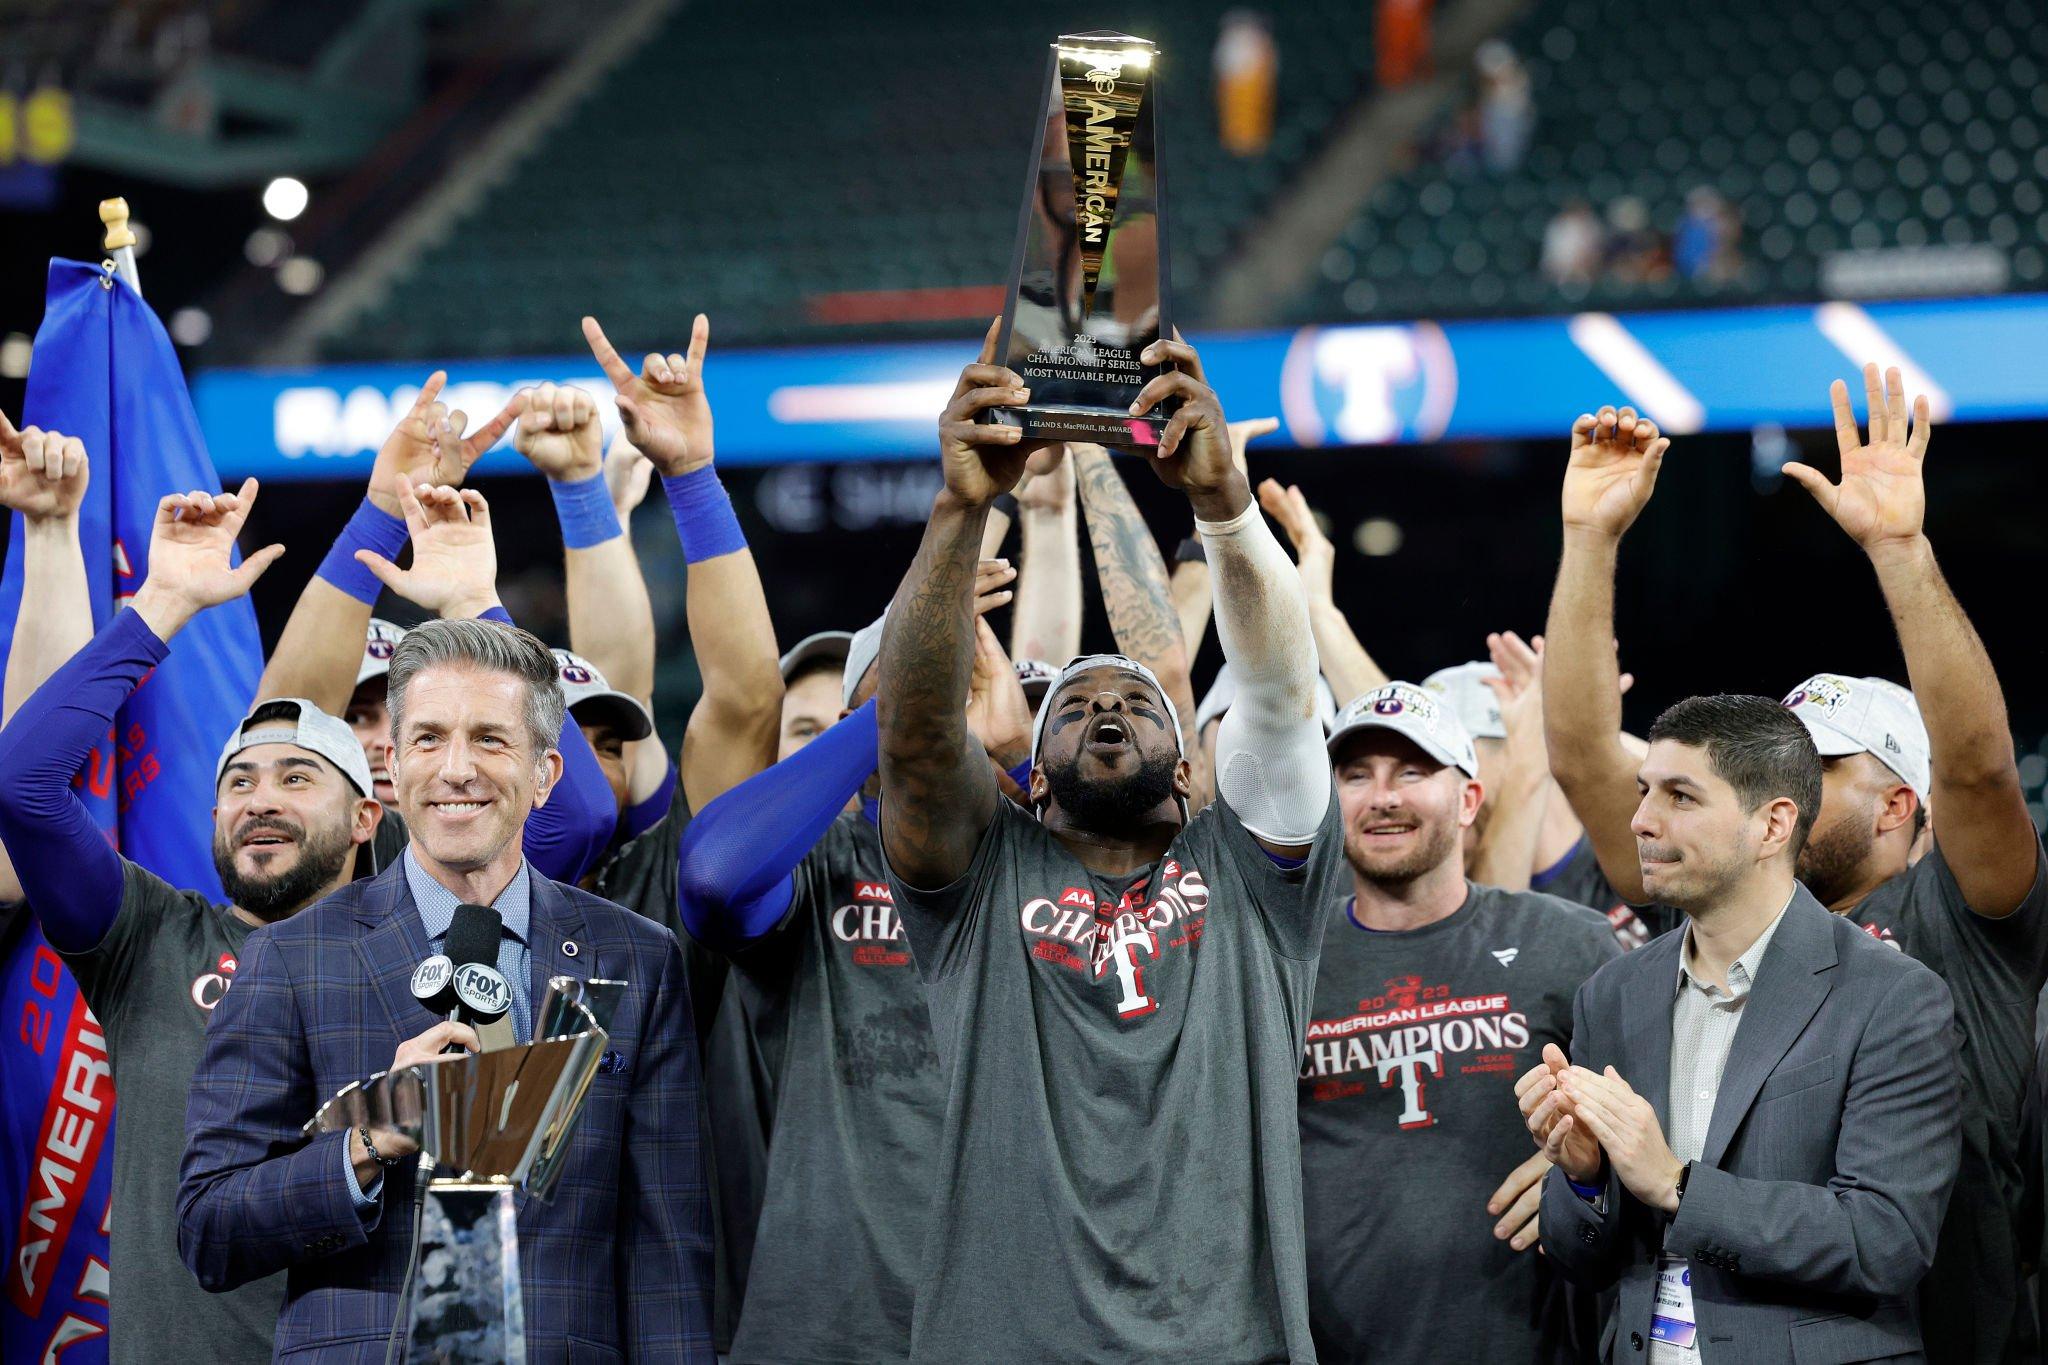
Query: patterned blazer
617	1266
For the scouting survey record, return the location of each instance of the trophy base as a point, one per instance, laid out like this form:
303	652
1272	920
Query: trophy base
1110	427
468	1308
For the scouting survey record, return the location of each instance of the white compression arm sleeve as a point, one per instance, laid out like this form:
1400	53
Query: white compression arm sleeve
1271	765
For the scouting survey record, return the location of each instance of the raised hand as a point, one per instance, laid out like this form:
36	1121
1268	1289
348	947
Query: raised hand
428	445
992	580
1882	498
559	434
1546	1112
1315	555
191	557
663	408
997	712
454	571
983	459
1521	661
43	474
1244	433
627	473
1194	451
1614	463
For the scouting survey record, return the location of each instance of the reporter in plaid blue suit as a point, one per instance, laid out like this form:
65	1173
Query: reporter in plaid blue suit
619	1264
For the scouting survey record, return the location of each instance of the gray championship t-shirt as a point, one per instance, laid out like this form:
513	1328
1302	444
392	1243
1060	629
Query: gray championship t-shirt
152	982
1118	1176
1577	878
842	1035
641	875
1409	1123
1971	1302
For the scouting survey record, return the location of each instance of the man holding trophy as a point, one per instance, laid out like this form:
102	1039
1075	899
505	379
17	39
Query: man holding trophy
619	1261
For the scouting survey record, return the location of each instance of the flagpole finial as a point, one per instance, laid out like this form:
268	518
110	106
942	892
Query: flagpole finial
114	213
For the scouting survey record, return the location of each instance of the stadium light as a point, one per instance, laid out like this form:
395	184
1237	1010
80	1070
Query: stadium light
285	198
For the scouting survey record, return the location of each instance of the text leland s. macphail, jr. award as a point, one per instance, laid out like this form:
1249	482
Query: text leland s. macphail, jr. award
1089	277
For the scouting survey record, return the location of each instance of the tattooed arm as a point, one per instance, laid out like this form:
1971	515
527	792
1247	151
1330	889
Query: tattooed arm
938	790
1135	590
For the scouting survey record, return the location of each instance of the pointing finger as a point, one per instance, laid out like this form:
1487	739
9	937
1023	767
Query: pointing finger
615	369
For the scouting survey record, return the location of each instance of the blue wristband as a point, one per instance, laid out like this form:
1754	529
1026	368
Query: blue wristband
704	516
371	528
1586	1192
1021	774
585	510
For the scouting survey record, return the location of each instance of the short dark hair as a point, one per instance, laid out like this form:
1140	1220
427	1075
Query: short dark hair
1754	745
272	710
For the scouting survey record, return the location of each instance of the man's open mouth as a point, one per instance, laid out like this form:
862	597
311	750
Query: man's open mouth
1109	729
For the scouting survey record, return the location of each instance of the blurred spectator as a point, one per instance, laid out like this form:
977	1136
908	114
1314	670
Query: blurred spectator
1635	253
1403	41
1507	116
1573	245
1705	246
1247	70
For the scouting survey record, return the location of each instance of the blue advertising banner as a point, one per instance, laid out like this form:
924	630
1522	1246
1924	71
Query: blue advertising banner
1721	370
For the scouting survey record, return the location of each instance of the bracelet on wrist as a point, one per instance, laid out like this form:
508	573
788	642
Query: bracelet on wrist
387	1162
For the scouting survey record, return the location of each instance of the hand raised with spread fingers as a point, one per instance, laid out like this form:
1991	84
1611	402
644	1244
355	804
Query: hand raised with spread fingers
429	446
454	571
664	409
43	474
1882	498
1615	457
1244	433
559	433
191	557
1315	556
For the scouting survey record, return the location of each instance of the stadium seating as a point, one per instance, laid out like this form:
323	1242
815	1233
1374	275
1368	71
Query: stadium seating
1828	127
830	148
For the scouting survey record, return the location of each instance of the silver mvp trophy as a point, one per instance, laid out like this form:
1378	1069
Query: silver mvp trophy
490	1126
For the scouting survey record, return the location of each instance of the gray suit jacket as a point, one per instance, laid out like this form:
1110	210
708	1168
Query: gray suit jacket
1811	1214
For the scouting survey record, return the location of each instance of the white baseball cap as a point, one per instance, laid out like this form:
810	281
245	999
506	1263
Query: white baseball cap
592	699
1222	694
861	652
311	729
1420	716
378	648
1088	661
1866	716
1464	687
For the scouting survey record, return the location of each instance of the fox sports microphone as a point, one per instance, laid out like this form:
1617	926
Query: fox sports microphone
482	995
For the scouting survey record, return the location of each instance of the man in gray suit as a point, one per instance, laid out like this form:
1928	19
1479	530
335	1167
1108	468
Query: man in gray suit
1762	1179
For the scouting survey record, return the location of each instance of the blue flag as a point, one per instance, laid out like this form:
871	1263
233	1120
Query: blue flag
104	371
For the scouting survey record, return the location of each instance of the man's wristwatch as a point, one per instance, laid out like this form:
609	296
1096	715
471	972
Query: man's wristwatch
387	1162
1684	1174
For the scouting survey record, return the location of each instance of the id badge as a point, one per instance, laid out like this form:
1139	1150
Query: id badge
1671	1317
